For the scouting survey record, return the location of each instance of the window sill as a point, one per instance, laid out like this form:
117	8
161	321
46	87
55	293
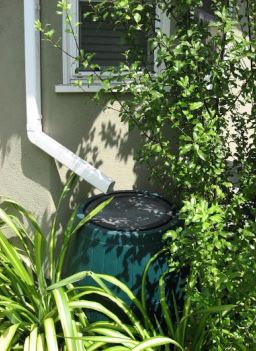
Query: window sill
84	88
70	88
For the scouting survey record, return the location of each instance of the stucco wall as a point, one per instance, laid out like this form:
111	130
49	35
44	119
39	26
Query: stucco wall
27	174
25	171
75	120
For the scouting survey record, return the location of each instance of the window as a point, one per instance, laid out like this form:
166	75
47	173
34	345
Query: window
102	39
107	43
206	13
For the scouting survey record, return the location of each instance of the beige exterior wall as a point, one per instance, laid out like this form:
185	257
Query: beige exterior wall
24	170
29	175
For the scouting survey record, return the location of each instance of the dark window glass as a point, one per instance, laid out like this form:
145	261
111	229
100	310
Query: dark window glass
107	41
207	6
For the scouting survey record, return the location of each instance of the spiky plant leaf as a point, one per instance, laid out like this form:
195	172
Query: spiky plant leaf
7	337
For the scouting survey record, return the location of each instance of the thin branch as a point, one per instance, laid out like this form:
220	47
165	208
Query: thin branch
241	91
72	29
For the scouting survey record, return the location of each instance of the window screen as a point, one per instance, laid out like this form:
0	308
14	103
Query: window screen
106	41
207	6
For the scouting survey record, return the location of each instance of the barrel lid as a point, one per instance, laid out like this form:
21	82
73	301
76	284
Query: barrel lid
131	210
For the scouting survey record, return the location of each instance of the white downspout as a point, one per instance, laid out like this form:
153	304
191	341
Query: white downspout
33	105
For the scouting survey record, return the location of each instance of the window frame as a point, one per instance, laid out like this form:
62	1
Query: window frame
69	67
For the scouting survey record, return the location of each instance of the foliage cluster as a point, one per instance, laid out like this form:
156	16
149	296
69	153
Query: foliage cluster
195	111
39	311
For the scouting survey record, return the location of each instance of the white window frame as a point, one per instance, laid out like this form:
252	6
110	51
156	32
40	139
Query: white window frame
69	67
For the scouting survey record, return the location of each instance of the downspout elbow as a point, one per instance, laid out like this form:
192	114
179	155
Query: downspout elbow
79	166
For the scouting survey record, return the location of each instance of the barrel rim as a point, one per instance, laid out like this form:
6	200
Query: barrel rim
142	229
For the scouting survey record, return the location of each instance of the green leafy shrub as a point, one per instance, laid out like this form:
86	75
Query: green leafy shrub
195	112
219	249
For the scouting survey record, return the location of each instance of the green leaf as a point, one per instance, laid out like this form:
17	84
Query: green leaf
143	287
201	154
33	339
40	256
137	327
92	214
112	280
116	348
69	280
137	17
155	342
14	259
64	315
40	343
50	334
26	344
96	345
196	105
65	244
109	332
52	240
219	309
170	234
96	306
185	148
7	337
198	337
106	339
165	307
114	334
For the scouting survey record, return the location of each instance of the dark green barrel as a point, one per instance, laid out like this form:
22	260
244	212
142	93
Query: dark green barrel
122	238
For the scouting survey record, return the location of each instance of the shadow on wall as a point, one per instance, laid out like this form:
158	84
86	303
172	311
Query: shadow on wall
20	161
72	119
97	136
79	123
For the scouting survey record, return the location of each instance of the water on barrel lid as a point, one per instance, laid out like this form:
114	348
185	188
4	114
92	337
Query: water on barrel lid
132	211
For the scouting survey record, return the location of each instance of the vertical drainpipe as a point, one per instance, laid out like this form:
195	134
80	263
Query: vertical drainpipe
33	107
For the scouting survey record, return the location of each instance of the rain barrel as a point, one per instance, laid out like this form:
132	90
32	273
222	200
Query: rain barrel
122	238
